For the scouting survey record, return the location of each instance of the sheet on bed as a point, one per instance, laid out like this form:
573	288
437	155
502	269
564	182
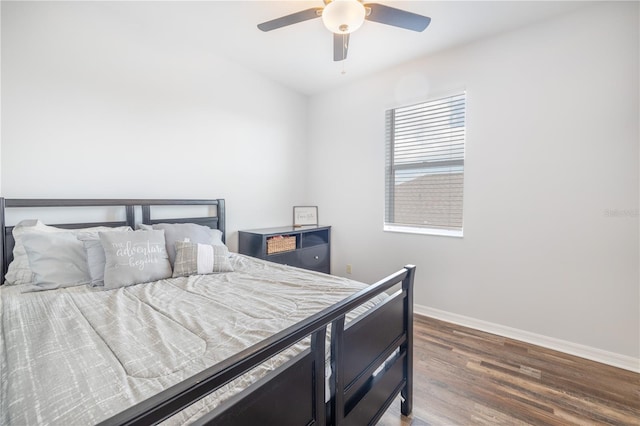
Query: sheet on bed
80	355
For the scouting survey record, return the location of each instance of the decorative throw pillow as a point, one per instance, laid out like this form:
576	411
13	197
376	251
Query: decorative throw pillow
96	259
134	257
200	259
19	271
191	232
57	259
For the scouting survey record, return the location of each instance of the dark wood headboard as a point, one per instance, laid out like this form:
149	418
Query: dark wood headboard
129	205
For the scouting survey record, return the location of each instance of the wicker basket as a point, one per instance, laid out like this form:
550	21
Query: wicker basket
280	243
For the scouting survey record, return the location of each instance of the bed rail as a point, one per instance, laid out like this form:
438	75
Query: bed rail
379	390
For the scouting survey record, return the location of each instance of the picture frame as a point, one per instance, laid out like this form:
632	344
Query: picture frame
305	216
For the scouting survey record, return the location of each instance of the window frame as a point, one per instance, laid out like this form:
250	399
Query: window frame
391	169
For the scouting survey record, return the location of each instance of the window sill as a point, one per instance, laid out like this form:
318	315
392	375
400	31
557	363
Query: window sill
422	231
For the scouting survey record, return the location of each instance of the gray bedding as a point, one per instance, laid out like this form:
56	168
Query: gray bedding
78	355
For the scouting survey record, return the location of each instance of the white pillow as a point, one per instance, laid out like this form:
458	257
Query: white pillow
19	271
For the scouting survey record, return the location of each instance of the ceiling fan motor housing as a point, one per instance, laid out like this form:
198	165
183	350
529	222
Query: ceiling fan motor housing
343	16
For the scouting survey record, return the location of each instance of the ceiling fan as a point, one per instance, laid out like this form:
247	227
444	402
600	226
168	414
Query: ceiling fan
342	17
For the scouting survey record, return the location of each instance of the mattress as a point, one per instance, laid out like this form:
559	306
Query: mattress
80	355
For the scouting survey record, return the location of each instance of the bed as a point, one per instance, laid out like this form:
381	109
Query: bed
263	341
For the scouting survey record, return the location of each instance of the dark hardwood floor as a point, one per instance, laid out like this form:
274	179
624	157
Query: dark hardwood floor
467	377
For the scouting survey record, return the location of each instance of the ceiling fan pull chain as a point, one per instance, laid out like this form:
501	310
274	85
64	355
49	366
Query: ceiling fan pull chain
344	52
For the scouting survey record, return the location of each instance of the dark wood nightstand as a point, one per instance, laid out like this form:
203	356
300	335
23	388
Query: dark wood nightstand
312	246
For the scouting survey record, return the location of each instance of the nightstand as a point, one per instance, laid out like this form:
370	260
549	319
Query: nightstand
312	249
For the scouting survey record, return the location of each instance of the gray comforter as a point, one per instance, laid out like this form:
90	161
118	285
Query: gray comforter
77	356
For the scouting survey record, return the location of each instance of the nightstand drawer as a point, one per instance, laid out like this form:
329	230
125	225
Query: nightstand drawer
315	258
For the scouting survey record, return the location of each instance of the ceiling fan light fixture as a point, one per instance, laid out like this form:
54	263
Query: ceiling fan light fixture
343	16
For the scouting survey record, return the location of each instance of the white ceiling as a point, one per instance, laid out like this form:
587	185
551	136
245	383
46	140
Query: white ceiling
301	56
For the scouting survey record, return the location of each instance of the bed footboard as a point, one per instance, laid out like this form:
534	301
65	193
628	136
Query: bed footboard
371	360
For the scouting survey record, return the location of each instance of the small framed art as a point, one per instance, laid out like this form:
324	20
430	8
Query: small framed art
305	215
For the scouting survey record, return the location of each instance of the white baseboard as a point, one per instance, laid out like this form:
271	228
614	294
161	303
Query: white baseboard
588	352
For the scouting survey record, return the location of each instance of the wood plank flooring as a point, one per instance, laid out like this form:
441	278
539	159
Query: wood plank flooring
467	377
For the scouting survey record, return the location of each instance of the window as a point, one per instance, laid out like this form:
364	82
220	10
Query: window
425	167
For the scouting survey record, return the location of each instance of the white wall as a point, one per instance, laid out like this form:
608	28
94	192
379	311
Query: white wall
551	229
98	104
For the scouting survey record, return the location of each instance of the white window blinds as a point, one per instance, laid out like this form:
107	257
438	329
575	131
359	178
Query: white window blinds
425	166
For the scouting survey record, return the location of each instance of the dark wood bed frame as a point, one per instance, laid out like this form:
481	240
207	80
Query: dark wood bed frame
371	356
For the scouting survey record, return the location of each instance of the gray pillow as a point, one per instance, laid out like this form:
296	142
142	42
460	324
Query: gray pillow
200	259
190	232
19	271
96	261
134	257
57	259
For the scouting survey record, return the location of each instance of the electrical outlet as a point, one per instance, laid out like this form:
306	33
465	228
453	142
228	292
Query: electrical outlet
349	269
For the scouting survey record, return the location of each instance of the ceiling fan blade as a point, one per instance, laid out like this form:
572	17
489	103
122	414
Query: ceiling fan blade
396	17
294	18
340	46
